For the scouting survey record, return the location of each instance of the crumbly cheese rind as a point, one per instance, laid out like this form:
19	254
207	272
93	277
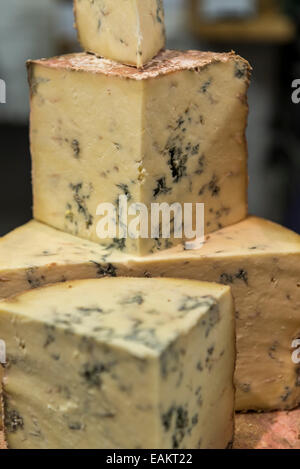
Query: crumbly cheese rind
129	31
257	258
120	363
79	121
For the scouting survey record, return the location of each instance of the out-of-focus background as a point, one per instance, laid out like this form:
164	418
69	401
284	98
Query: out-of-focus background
263	31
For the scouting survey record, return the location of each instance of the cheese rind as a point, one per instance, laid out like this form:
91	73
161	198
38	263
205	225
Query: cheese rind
120	363
80	108
259	259
131	32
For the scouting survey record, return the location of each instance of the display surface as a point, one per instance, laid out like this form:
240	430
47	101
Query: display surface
274	430
131	31
96	136
147	366
257	258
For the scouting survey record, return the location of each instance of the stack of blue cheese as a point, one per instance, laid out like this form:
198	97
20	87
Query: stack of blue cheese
99	354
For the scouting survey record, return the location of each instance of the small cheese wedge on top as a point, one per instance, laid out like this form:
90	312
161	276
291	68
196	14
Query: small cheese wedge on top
120	364
131	32
173	132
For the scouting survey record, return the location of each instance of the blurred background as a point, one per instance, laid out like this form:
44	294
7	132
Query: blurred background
263	31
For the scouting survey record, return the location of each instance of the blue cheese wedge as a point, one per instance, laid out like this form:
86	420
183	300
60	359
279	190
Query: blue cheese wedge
258	259
128	31
173	132
120	363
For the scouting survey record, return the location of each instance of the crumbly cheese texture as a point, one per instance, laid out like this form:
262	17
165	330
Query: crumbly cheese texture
258	259
173	132
131	32
120	363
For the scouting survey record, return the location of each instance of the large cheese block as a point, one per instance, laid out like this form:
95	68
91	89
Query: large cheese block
120	363
171	133
261	262
129	31
258	259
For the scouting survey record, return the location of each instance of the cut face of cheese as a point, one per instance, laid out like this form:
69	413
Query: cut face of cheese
128	31
35	255
120	363
96	136
258	259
